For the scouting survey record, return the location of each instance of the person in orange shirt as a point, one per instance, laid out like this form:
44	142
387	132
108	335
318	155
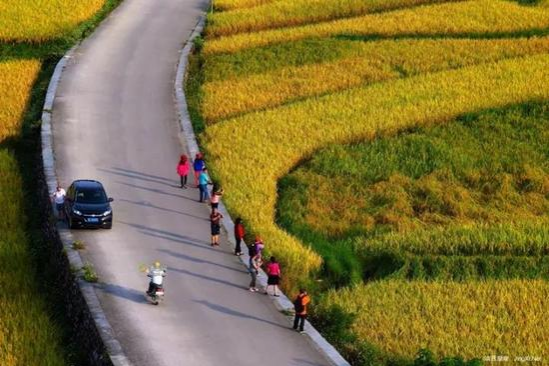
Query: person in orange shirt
300	305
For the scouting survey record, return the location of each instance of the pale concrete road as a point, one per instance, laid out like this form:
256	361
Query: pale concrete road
115	120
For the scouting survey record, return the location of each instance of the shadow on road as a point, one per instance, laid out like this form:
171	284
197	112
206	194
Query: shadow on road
154	190
123	292
148	204
198	260
178	238
143	177
208	278
225	310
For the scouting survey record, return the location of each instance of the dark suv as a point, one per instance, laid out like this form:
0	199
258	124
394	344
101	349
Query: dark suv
87	205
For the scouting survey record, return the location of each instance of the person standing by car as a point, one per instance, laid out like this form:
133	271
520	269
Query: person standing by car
203	181
300	306
198	165
239	233
215	222
183	170
58	198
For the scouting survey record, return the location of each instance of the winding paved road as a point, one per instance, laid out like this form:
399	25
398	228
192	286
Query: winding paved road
114	120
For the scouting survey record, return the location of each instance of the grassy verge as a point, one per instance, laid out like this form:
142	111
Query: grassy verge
34	330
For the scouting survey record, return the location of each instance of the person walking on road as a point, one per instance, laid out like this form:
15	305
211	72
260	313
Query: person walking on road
253	268
300	306
273	273
183	168
198	165
215	222
58	198
239	233
216	197
203	181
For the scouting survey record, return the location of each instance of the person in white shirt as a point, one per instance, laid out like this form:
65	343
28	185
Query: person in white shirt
59	200
156	273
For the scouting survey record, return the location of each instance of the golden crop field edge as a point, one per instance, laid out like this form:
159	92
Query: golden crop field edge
43	20
28	334
473	18
226	5
288	13
16	80
261	139
370	62
472	320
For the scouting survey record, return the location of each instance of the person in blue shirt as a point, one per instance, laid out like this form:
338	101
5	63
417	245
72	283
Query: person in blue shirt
203	181
198	165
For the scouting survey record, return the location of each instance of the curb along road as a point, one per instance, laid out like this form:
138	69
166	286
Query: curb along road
114	350
282	303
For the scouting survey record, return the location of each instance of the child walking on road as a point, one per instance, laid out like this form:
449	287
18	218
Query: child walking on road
183	170
59	199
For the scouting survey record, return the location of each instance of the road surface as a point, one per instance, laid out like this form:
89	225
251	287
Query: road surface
114	120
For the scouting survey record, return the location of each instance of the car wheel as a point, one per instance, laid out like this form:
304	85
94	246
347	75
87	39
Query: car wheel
108	226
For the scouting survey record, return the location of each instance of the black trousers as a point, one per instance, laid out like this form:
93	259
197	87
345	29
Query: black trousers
237	249
299	320
183	180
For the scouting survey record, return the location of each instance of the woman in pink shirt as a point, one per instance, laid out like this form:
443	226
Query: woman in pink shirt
273	273
183	169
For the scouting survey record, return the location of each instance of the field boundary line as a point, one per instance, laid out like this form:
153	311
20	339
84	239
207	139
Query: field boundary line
113	347
282	303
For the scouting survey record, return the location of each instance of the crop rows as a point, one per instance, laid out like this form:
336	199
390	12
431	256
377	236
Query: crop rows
364	63
416	101
482	18
285	13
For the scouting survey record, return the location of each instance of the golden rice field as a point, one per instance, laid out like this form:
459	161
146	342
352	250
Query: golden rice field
16	80
284	81
238	4
41	20
460	19
28	29
369	62
451	318
283	13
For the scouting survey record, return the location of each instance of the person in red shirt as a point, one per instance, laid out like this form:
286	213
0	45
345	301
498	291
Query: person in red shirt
239	233
183	168
300	305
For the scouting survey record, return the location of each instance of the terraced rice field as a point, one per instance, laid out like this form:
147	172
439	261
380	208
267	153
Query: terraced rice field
397	151
32	34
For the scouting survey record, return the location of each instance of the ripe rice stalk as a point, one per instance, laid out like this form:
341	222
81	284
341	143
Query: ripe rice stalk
371	62
43	20
472	320
16	80
291	13
469	18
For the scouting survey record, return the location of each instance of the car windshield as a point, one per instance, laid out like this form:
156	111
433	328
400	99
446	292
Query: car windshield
90	195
